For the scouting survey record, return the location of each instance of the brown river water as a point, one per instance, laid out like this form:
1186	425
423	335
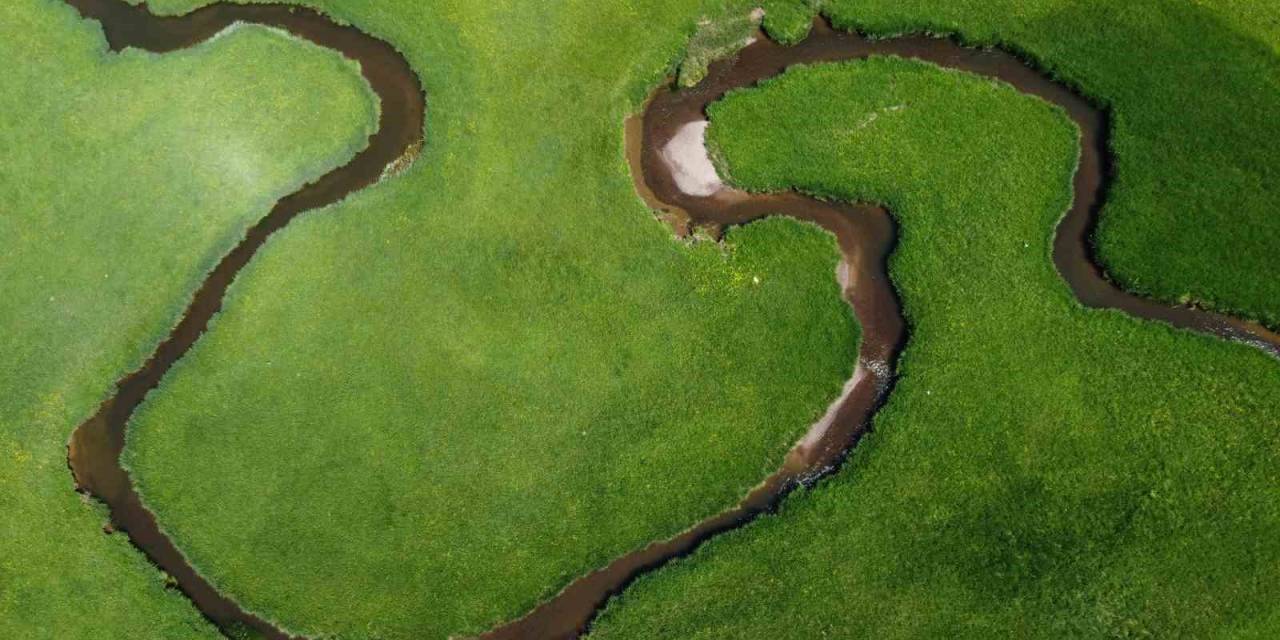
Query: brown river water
95	447
866	235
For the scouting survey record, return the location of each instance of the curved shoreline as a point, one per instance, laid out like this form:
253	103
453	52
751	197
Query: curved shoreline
866	235
93	452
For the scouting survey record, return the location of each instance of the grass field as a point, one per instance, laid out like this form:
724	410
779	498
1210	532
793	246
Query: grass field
497	372
122	179
1194	88
430	407
1041	470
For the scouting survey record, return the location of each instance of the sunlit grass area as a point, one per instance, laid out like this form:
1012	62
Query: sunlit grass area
477	381
122	179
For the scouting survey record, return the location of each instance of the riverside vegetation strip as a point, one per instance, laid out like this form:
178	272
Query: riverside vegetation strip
475	36
123	178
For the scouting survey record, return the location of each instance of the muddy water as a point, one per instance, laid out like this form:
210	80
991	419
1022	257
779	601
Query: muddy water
866	236
94	449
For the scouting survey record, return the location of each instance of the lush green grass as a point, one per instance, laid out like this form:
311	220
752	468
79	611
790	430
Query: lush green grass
497	372
1041	470
122	179
789	21
1194	86
457	391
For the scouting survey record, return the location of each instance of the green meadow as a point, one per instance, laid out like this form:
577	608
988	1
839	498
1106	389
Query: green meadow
1192	88
123	178
461	389
430	407
1041	470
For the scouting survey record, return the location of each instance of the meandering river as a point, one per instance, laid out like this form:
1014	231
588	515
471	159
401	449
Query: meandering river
866	236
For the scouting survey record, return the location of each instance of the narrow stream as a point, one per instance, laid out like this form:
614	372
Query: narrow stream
94	450
866	235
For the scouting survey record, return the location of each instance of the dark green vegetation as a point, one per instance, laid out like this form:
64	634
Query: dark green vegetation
789	21
1194	88
1041	470
122	179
